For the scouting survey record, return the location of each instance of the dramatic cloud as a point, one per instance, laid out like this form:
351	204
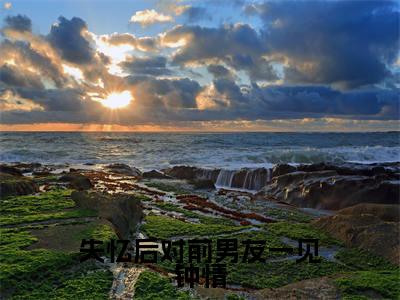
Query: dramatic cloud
164	94
242	48
19	23
325	101
274	62
346	43
150	16
141	44
193	13
238	41
10	101
24	59
67	37
219	71
11	76
147	66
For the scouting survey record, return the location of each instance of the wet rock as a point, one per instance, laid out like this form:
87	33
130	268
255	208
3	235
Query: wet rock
122	210
10	170
366	231
248	179
123	169
154	174
42	171
191	173
329	190
282	169
77	181
16	185
207	174
202	184
352	169
181	172
27	167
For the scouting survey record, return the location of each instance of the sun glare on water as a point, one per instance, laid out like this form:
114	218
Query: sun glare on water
117	100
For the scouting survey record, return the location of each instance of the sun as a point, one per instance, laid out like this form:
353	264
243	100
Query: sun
117	100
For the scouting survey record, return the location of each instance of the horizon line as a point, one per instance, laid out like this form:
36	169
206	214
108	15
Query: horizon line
198	131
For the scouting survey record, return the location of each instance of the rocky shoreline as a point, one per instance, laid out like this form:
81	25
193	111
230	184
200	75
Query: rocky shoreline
355	205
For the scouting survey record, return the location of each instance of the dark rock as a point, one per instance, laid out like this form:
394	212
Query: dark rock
191	173
250	179
16	185
10	170
123	169
122	210
155	175
207	174
42	171
202	184
296	177
77	181
365	231
328	190
350	169
282	169
181	172
239	178
27	167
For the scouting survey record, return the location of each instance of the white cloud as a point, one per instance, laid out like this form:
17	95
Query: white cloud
150	16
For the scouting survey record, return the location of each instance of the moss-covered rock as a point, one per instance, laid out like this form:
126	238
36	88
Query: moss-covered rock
122	210
11	185
77	181
370	285
150	286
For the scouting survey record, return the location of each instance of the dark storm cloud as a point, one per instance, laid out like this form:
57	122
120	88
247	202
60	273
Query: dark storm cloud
66	36
69	105
26	56
237	45
229	89
208	43
18	22
256	67
330	57
164	93
306	100
11	76
343	43
155	66
219	71
195	14
69	100
348	43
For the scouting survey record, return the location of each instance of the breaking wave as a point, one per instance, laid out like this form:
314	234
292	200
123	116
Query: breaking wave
227	151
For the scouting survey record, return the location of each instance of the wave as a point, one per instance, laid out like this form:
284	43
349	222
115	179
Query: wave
365	154
210	151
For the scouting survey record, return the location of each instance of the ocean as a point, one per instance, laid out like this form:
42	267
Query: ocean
229	151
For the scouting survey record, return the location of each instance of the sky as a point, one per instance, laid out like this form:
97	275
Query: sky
169	65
